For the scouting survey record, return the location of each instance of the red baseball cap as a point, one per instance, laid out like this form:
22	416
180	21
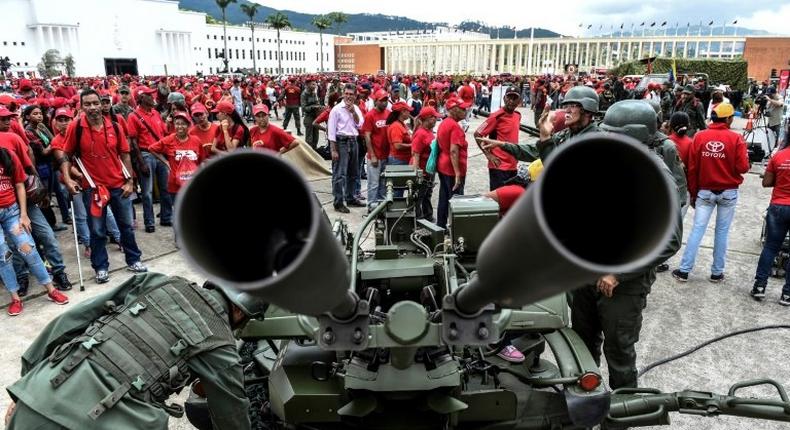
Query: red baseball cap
6	99
224	107
456	102
25	84
144	90
380	94
182	115
199	108
63	112
5	113
401	106
428	111
260	108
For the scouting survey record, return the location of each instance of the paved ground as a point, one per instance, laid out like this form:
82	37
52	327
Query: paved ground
678	316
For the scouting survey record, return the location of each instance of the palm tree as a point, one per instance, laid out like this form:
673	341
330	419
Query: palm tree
250	10
322	22
338	18
278	21
223	4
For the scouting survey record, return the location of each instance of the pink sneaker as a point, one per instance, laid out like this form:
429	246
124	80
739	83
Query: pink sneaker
511	354
15	308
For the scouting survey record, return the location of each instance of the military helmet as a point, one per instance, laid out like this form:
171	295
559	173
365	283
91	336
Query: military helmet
175	97
634	118
250	305
585	96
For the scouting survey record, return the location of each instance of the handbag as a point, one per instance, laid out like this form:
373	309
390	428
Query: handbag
34	189
433	159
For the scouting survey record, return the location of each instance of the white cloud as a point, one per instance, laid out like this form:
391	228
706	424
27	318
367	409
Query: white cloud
774	21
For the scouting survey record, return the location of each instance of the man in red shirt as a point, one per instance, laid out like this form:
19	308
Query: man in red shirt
503	126
145	128
374	130
266	136
777	224
451	164
467	93
293	100
203	129
717	162
102	153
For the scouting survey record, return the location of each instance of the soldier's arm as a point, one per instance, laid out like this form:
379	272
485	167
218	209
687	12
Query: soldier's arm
531	151
223	380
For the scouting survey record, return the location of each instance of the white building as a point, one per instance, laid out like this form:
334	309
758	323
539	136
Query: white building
437	34
146	37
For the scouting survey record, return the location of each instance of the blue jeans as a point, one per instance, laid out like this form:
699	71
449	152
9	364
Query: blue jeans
122	208
344	170
81	221
161	172
777	224
44	236
445	194
9	219
376	186
707	201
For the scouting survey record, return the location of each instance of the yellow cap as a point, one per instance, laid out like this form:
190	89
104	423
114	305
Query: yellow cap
723	110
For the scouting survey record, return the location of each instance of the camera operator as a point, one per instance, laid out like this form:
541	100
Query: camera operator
773	109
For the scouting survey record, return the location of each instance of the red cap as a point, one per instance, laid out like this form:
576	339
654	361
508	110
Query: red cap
182	115
456	102
401	106
428	111
260	108
199	108
6	99
144	90
5	113
25	84
224	107
63	112
58	102
380	94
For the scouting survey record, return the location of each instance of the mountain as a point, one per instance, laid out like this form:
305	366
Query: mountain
360	22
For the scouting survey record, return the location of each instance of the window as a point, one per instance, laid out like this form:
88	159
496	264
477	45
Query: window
5	43
230	54
221	37
209	53
259	54
216	53
257	39
14	43
23	43
25	64
243	54
211	70
208	37
270	55
264	55
316	56
237	38
215	37
237	54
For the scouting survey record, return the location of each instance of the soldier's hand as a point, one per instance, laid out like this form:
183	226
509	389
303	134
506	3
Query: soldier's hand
606	285
546	124
9	412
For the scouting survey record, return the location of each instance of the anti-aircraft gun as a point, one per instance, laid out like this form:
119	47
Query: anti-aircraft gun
404	335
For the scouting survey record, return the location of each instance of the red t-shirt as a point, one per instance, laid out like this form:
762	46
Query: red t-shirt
376	124
182	157
450	133
293	95
779	165
323	116
421	144
14	143
397	132
139	131
99	151
507	195
503	126
235	131
206	138
273	138
683	144
8	183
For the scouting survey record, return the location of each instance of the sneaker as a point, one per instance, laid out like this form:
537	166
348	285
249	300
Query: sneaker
680	276
716	278
784	300
57	297
61	281
355	204
102	277
150	229
137	268
342	209
758	292
512	354
24	284
662	268
15	308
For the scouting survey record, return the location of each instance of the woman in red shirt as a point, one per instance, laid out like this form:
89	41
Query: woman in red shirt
268	136
182	151
420	152
17	228
232	133
399	135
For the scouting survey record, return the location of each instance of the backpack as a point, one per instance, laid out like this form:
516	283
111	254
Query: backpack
433	159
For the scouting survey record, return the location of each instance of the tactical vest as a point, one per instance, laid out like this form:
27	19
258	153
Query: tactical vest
146	344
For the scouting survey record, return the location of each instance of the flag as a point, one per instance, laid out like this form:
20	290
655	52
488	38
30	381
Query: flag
621	26
589	26
580	25
663	23
673	72
653	24
642	24
600	28
710	23
735	22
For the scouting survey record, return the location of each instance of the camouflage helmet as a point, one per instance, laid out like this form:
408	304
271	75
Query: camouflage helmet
585	96
175	97
634	118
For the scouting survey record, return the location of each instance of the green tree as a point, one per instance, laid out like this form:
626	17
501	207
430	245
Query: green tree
223	4
278	21
70	65
250	10
322	22
338	18
50	64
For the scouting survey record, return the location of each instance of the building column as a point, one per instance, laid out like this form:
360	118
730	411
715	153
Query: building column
491	58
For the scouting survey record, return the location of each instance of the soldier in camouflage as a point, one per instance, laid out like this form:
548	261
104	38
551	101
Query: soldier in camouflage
113	361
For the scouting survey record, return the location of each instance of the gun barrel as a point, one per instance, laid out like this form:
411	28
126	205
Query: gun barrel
603	205
277	246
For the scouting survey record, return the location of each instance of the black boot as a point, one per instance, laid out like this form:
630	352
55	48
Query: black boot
61	281
24	283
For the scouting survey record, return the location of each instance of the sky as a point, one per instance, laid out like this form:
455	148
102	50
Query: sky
769	15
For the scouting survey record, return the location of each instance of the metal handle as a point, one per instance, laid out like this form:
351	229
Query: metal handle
757	382
655	415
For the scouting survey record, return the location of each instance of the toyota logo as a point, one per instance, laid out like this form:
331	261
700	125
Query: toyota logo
714	146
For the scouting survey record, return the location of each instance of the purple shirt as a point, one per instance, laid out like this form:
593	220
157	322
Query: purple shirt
341	122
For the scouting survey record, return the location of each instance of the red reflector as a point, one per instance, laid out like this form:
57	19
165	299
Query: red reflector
590	381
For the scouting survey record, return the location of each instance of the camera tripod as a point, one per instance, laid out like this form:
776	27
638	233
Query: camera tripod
760	123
